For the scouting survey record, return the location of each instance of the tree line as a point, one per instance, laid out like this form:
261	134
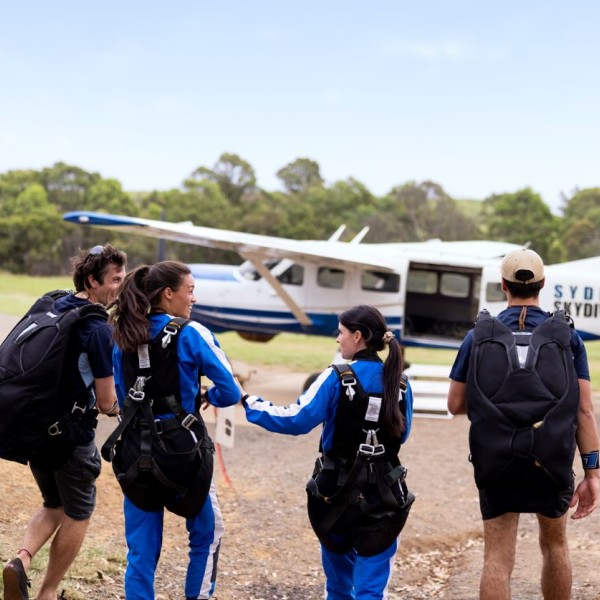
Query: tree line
35	240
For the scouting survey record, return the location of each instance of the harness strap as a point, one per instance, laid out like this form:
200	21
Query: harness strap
341	499
384	489
79	412
352	477
349	381
108	448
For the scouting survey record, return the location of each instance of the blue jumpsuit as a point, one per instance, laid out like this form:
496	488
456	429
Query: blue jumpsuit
348	576
198	352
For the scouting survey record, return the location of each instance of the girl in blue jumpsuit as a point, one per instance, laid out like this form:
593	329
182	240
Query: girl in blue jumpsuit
147	300
362	333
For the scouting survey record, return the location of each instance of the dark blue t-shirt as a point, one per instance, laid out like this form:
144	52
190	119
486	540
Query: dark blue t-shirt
89	358
510	317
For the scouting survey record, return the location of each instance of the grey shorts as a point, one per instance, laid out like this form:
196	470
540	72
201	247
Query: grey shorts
73	485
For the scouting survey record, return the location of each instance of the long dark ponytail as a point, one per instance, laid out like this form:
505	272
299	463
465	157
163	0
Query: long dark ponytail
370	322
140	294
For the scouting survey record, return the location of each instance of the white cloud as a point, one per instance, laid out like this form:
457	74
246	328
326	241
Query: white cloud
444	50
448	50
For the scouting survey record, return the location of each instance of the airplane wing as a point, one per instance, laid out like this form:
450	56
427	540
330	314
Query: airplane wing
258	248
247	245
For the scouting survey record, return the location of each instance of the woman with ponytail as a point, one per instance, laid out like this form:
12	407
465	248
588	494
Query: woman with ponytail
145	325
358	501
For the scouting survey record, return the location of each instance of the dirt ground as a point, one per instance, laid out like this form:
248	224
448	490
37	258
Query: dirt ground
269	551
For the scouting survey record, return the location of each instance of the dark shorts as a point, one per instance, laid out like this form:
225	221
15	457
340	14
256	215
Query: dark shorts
73	485
534	493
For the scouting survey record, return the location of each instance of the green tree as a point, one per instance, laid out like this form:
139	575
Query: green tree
12	183
522	217
420	211
67	185
108	195
300	174
581	224
31	234
232	174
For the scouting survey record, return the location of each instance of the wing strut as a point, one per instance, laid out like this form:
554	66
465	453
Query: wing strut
255	259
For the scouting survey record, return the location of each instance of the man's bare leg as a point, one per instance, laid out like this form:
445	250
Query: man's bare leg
64	548
41	526
63	551
500	540
556	568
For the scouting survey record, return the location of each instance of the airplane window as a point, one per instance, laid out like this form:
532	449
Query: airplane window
454	285
376	281
293	275
422	282
330	278
248	270
494	293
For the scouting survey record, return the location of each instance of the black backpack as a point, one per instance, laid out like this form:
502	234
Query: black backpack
522	401
32	366
364	497
160	463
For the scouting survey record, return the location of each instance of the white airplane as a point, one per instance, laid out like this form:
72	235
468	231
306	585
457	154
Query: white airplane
429	292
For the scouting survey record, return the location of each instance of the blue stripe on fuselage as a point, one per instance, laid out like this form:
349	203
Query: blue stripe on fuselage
220	318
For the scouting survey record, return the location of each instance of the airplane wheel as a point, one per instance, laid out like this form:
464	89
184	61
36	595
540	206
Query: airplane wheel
256	337
311	379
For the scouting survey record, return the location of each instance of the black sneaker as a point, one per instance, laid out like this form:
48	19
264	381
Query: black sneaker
15	581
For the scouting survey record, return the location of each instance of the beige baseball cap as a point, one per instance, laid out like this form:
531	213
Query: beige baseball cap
522	266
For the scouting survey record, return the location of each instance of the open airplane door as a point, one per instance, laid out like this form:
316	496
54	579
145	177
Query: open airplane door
492	298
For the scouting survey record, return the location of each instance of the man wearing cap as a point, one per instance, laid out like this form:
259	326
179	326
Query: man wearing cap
522	279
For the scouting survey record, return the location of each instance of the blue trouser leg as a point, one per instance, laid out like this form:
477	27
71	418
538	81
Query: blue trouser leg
353	577
205	532
143	532
339	574
372	574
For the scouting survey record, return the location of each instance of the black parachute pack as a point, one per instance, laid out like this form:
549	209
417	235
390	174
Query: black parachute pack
160	462
360	489
522	401
34	415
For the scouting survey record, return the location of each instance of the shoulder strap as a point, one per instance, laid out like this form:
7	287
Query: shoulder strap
172	329
56	294
351	386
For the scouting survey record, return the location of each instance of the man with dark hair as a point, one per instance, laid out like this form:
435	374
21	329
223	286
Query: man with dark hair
523	379
66	470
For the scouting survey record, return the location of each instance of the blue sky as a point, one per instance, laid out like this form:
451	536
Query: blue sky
481	97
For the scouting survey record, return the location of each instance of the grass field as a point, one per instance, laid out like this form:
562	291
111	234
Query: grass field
298	352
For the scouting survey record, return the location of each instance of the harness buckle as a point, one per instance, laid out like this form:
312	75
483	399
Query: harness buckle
54	429
189	421
136	393
371	449
349	383
136	396
76	408
170	331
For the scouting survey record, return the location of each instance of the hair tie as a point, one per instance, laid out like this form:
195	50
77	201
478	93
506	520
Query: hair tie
388	336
